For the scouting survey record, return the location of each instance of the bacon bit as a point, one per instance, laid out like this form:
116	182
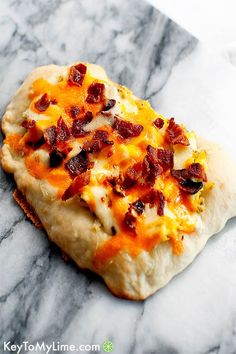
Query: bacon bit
102	135
92	146
155	197
159	122
77	74
74	111
196	170
95	93
138	206
184	178
77	184
78	163
78	128
56	158
127	129
99	141
62	132
175	134
108	104
180	175
151	166
132	176
43	103
190	187
115	182
79	124
54	101
166	158
28	123
130	220
27	208
50	135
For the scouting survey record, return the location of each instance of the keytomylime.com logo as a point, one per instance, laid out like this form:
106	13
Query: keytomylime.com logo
107	346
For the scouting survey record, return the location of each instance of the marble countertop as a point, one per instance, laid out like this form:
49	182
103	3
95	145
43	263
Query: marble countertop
42	298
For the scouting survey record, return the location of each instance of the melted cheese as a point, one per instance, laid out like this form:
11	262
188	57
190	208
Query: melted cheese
180	213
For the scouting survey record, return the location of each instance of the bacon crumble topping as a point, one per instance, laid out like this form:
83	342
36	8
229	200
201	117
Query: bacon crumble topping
74	112
28	124
127	129
159	122
95	93
185	178
78	163
151	166
77	74
155	198
62	131
43	103
175	134
76	185
79	124
50	135
99	140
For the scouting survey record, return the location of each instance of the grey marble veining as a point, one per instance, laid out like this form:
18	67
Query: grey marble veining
42	298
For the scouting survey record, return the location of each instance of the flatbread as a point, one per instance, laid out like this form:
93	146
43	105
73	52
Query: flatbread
82	228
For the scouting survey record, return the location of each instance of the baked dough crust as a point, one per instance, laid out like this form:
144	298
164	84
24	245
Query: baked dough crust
79	233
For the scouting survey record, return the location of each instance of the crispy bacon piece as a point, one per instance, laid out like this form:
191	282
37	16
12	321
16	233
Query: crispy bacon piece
95	93
175	134
184	178
189	186
62	132
50	135
155	198
43	103
78	125
132	176
56	158
130	220
166	158
102	135
76	185
78	164
159	122
151	166
99	141
78	128
28	123
54	101
77	74
127	129
108	104
92	146
115	182
74	112
180	175
138	206
196	170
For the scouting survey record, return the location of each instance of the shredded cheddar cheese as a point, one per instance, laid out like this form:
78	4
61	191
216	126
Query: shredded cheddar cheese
146	181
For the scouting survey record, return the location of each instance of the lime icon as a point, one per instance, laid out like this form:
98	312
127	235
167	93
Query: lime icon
107	346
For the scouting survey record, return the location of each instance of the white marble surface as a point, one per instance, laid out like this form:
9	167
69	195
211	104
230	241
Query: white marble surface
212	21
41	297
